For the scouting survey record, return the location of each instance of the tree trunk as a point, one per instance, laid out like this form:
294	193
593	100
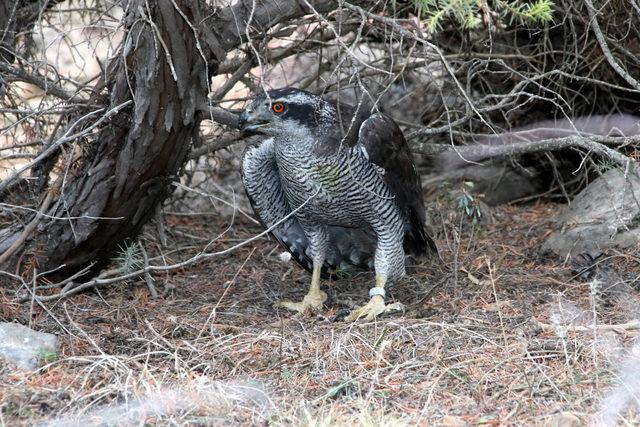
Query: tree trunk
155	89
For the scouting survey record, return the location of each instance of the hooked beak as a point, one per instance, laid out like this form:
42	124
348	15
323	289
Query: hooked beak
248	123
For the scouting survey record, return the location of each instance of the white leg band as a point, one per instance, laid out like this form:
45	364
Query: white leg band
377	291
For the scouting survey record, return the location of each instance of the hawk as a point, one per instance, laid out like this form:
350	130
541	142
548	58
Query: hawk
338	188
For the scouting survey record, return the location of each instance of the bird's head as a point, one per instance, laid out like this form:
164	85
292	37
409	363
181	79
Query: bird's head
285	112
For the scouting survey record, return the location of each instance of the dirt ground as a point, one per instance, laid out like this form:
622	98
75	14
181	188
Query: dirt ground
486	339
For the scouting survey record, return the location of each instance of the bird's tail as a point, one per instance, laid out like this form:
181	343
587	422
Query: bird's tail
416	240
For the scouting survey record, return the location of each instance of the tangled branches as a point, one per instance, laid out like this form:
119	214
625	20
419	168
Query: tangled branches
151	98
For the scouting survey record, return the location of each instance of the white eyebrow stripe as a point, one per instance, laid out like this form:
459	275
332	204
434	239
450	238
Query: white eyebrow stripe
299	98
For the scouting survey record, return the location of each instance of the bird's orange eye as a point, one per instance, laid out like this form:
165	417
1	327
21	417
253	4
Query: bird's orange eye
277	107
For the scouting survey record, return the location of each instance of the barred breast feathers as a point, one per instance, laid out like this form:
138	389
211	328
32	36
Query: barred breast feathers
262	181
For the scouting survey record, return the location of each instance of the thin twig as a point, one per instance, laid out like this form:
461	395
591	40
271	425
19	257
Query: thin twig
618	328
67	137
605	48
29	228
147	276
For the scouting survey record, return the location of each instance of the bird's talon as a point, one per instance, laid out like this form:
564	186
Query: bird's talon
313	302
373	308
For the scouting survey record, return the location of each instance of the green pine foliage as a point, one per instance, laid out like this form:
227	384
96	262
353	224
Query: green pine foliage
129	258
467	14
536	13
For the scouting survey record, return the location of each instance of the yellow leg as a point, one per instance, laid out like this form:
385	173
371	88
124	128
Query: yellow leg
312	301
376	305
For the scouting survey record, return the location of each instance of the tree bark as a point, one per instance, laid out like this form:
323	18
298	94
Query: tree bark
156	88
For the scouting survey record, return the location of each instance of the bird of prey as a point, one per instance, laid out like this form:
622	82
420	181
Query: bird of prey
338	188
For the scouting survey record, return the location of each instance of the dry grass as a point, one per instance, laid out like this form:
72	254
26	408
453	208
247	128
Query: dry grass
466	352
212	350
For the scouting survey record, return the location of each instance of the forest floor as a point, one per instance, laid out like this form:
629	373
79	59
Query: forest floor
486	339
494	332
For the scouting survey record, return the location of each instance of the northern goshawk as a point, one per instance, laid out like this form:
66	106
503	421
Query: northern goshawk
347	182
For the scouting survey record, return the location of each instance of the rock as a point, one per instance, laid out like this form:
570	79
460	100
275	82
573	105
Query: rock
25	347
565	419
453	421
605	214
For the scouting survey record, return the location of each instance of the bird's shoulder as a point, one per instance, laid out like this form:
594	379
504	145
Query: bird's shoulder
384	145
258	153
386	149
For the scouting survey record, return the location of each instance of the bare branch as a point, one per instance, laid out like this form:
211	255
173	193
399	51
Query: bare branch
478	152
43	83
605	48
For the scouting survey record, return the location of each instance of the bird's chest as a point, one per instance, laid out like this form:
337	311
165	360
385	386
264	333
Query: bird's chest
319	185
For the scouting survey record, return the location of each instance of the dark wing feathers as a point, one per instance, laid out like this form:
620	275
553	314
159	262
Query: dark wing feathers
387	149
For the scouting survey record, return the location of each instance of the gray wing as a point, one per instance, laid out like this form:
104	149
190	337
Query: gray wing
261	181
260	176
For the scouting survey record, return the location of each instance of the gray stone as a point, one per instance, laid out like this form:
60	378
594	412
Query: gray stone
25	347
604	215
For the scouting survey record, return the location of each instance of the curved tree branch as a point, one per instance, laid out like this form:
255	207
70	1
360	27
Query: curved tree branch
605	48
